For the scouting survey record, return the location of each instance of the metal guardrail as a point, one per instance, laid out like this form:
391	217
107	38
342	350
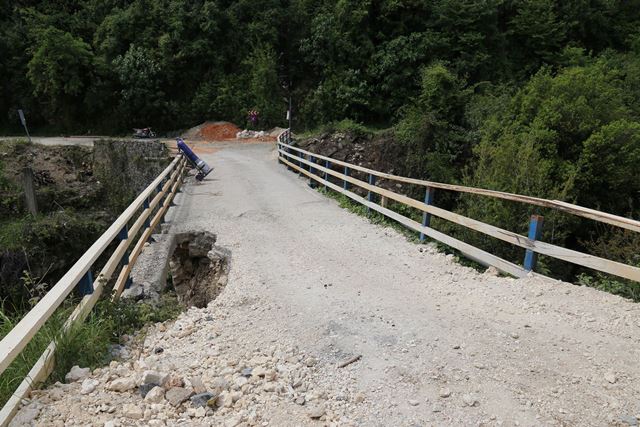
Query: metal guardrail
158	194
306	162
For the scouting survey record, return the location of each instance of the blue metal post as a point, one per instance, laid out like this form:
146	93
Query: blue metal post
327	164
372	181
312	182
86	284
535	232
426	217
345	183
122	235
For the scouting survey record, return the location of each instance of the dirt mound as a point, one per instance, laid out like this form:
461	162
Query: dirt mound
213	131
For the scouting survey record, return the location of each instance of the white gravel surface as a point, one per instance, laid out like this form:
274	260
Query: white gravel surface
312	285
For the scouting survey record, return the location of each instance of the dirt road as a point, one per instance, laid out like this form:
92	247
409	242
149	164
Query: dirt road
312	285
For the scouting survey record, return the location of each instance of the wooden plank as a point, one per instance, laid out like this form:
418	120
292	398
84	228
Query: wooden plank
38	374
469	251
581	211
126	270
15	341
44	365
575	257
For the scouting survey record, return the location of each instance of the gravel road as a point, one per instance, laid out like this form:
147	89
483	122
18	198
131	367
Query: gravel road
312	285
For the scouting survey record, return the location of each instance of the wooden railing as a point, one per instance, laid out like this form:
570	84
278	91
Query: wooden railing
306	162
158	194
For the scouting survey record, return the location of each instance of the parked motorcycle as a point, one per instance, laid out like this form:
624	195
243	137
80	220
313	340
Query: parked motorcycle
143	133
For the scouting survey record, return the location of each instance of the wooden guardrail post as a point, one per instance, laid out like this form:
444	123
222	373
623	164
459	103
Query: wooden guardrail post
426	217
372	181
29	191
85	285
535	232
345	183
301	156
312	182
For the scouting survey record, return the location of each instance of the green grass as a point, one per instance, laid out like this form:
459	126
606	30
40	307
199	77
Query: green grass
87	344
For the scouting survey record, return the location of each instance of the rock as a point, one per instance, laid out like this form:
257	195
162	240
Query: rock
201	412
154	377
76	374
246	372
233	421
158	350
413	402
26	416
224	400
88	386
259	372
132	411
177	395
144	389
300	400
240	381
155	395
359	398
110	423
173	381
492	271
121	385
317	411
469	400
311	361
445	392
629	420
610	377
201	399
514	335
197	385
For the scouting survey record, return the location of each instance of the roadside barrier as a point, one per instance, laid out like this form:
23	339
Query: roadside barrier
318	168
154	200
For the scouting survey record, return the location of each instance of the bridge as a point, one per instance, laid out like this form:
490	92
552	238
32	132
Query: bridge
356	322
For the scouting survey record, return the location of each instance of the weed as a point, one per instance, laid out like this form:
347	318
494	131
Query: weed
88	343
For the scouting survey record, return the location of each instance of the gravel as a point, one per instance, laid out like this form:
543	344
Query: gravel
420	321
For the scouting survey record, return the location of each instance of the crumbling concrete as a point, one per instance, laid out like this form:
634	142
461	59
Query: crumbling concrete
197	268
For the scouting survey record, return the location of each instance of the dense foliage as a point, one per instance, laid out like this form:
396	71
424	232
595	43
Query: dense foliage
537	97
109	64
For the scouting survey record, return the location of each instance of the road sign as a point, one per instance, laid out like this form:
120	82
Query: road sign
24	123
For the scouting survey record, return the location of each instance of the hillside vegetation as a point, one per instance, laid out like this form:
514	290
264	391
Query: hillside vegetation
536	97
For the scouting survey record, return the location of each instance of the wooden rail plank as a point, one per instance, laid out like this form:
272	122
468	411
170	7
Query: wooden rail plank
575	257
581	211
44	365
15	341
471	252
126	270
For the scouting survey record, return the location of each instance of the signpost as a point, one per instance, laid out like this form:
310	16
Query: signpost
24	123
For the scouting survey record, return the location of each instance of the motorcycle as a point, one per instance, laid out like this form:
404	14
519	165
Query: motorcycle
143	133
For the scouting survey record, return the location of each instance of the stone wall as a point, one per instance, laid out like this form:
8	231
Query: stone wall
126	167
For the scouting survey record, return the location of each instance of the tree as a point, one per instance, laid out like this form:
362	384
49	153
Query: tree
59	70
142	100
432	127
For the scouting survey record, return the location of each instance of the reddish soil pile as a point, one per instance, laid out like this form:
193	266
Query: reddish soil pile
213	131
